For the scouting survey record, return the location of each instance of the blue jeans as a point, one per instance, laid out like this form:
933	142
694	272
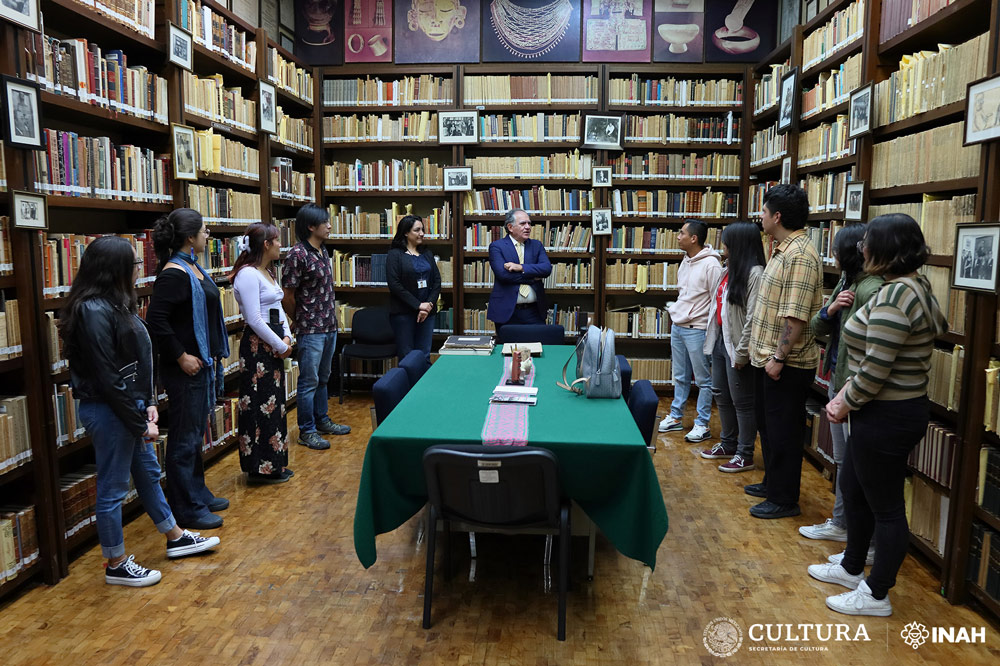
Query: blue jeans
312	394
410	335
687	355
118	453
187	493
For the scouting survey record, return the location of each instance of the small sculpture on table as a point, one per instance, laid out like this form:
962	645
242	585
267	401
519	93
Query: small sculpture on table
515	368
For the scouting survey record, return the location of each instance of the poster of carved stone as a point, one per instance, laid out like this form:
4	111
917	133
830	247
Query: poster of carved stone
678	30
368	30
319	31
740	30
616	30
436	31
531	30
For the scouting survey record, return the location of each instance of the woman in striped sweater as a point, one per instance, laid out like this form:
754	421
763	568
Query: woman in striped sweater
889	343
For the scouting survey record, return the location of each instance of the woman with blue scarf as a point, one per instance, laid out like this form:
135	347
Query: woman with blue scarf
185	315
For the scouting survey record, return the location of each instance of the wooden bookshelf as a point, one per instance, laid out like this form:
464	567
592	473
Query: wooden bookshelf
961	19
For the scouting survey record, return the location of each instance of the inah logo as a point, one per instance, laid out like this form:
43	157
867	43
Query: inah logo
723	636
915	634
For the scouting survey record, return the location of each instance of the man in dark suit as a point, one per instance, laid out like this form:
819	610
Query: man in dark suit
519	266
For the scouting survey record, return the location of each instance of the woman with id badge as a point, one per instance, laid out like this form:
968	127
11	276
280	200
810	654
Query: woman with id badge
414	287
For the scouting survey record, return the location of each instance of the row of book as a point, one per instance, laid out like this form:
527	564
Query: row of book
352	270
934	456
984	559
657	370
926	511
137	15
209	98
937	217
533	167
62	254
824	143
531	89
10	328
67	410
425	89
677	128
216	153
355	223
680	166
823	237
900	15
768	145
220	205
537	199
661	203
78	491
444	318
767	90
383	175
944	381
3	185
222	423
839	32
529	127
639	321
833	87
54	343
572	319
627	239
566	237
952	301
755	196
826	190
288	76
820	439
641	276
15	438
415	127
988	488
671	91
295	132
217	34
81	166
18	540
577	274
925	157
291	185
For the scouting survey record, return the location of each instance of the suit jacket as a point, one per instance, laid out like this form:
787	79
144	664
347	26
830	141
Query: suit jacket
402	281
506	283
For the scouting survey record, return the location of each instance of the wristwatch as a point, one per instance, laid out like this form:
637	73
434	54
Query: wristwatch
779	361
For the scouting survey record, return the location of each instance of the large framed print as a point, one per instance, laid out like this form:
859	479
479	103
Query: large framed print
319	31
860	121
268	108
616	31
531	30
438	31
21	12
30	210
976	247
185	164
982	111
179	46
458	127
602	132
457	179
788	102
22	113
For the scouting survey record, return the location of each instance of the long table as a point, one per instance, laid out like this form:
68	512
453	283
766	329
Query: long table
603	461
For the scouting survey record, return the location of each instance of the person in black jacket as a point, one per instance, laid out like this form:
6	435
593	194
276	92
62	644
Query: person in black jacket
414	286
111	370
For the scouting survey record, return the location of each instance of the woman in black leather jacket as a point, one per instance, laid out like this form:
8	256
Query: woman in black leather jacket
111	369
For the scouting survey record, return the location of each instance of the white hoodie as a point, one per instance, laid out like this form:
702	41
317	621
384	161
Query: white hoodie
696	277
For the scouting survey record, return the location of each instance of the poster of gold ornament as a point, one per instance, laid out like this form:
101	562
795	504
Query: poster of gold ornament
429	31
616	30
740	30
368	31
531	30
319	31
679	30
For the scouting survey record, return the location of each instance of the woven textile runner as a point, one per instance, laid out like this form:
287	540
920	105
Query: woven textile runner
507	423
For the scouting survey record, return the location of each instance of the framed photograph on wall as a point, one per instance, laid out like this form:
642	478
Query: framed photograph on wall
786	170
601	220
458	127
600	177
30	210
860	119
180	47
982	111
854	201
602	132
268	108
976	247
185	164
23	113
457	179
21	12
788	102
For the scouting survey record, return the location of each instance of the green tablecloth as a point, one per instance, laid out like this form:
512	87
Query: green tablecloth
603	463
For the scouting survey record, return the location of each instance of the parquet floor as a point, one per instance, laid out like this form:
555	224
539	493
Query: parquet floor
286	588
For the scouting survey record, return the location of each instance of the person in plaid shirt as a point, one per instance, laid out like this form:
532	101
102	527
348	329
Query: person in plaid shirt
310	303
783	349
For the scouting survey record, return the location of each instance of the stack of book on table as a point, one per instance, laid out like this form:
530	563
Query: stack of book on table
523	395
471	345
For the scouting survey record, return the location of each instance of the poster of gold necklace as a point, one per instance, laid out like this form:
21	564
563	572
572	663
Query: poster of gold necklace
428	31
531	30
616	30
368	31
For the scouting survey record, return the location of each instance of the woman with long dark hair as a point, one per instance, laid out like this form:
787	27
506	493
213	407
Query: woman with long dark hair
853	290
267	340
889	342
185	316
727	340
414	287
111	370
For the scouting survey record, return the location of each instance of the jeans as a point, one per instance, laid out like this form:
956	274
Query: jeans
117	454
883	432
187	493
687	355
313	395
411	335
781	419
838	433
734	394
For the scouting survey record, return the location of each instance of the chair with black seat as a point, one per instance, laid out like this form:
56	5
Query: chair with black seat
416	364
547	334
625	368
371	340
643	402
496	488
387	392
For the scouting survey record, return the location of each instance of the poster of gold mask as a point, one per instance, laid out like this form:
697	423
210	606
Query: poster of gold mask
436	31
368	30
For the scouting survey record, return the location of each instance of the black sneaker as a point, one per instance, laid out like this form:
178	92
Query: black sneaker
190	543
314	440
131	574
328	427
756	490
263	479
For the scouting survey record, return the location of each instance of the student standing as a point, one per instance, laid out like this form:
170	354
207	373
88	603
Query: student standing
414	287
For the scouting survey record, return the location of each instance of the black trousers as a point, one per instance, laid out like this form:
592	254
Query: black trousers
882	434
781	420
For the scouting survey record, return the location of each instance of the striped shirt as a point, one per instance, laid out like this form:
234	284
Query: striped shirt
889	343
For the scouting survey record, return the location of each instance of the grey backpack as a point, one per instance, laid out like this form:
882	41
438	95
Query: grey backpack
597	370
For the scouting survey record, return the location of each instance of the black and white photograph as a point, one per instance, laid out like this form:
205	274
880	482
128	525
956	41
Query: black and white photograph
23	126
976	246
601	219
457	179
185	165
600	177
21	12
786	170
30	210
788	103
602	132
982	111
181	52
268	109
854	201
860	120
458	127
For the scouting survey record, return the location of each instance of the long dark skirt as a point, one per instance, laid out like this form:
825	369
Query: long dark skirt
263	429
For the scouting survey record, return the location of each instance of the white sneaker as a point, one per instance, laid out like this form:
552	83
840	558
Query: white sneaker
860	602
825	530
834	573
670	424
699	433
839	557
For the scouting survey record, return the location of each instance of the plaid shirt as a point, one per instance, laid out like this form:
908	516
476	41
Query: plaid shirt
792	286
308	272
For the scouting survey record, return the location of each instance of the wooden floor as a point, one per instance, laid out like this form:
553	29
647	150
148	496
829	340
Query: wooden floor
286	588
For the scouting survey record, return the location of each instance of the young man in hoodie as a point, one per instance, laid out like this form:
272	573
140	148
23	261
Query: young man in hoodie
699	271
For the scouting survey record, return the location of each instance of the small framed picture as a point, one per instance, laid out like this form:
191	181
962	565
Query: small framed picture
457	179
180	52
268	108
601	220
185	164
600	177
30	210
786	170
860	120
286	39
789	102
458	127
21	12
854	201
810	10
982	111
976	257
602	132
23	126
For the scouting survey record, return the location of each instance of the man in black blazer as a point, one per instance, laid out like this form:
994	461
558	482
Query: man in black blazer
519	265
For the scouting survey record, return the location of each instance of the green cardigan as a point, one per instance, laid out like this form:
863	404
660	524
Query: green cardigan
864	289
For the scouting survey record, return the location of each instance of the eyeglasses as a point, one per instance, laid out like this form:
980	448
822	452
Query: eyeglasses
861	245
138	262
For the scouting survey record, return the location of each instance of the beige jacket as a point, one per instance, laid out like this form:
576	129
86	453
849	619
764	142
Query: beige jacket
735	320
695	277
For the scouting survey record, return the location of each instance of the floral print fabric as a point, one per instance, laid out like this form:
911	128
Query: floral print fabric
263	429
